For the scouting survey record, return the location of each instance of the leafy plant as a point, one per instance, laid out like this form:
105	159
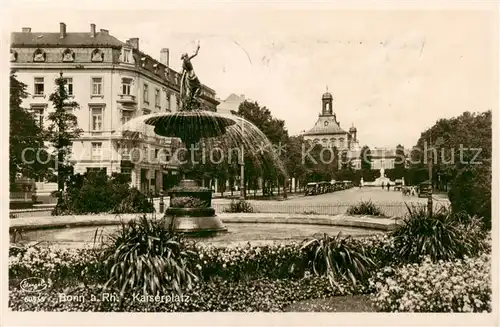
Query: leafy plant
239	206
365	208
441	237
145	256
337	257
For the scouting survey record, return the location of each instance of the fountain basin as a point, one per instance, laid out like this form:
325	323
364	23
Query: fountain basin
190	210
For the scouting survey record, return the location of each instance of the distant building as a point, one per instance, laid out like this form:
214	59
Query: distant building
327	131
232	103
113	81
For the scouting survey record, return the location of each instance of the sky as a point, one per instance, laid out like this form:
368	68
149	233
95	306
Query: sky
393	73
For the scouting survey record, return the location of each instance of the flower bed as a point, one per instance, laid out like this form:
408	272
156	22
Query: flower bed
244	262
268	295
258	278
451	286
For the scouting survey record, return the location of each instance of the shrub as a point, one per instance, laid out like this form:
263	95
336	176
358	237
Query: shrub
365	208
471	192
441	237
145	256
452	286
337	257
133	202
239	206
96	193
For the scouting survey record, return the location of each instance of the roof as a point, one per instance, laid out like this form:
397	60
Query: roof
327	95
325	125
234	98
34	39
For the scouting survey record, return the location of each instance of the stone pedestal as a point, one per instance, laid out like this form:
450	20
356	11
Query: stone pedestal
191	211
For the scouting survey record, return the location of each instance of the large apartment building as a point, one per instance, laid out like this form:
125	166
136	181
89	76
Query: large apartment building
113	82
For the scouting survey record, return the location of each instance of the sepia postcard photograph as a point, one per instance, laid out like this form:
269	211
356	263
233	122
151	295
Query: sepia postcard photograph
325	162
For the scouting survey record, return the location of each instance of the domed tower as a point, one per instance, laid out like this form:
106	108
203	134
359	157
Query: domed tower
327	100
353	132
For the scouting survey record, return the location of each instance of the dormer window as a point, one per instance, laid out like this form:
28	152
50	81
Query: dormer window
97	56
39	55
127	55
13	56
68	56
144	61
156	67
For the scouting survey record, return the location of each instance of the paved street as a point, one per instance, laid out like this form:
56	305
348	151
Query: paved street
391	203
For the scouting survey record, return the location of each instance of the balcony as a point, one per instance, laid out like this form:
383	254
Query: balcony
127	99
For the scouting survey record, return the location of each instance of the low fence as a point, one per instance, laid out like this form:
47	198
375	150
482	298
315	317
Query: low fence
396	209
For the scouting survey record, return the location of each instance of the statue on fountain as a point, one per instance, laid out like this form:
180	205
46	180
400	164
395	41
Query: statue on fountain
190	87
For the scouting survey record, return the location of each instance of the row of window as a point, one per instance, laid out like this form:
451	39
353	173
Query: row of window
67	55
97	89
96	117
39	86
332	141
97	154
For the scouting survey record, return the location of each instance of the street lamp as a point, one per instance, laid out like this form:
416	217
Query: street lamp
439	142
429	194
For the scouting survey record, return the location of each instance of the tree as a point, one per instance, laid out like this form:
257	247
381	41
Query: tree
25	139
461	150
399	165
267	164
453	143
366	158
62	130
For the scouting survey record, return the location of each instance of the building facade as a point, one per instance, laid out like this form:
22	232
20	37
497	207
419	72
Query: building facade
113	82
231	103
327	131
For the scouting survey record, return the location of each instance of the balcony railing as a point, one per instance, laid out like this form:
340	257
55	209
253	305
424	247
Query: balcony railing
127	98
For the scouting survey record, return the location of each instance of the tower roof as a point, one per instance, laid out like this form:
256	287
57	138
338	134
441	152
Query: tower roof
353	129
325	125
327	95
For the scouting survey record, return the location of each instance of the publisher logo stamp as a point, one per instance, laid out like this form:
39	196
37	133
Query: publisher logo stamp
33	284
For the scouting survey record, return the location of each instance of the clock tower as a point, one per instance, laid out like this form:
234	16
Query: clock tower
327	100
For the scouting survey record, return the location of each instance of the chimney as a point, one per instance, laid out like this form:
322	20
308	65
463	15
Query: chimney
62	30
105	32
92	30
26	29
134	42
164	56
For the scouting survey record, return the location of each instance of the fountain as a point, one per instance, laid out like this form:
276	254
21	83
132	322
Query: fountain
190	210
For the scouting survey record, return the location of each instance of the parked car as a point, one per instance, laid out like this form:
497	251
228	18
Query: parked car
398	184
311	189
424	189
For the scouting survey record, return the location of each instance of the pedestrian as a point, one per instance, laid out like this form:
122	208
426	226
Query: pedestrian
382	185
388	186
